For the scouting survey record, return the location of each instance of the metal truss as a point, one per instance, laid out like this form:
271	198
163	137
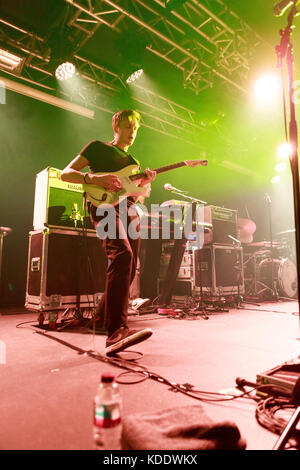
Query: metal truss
97	85
205	46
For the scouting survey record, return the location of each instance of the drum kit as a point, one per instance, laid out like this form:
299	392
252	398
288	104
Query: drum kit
269	266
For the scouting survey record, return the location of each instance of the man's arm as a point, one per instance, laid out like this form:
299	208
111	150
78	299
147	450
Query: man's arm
73	174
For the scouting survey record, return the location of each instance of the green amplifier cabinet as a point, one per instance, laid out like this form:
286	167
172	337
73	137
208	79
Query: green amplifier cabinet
57	203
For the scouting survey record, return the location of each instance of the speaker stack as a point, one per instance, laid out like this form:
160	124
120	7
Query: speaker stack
66	266
214	270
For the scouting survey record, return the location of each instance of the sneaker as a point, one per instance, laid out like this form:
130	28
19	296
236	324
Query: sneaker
124	338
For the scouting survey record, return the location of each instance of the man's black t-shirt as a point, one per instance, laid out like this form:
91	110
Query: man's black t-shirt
105	158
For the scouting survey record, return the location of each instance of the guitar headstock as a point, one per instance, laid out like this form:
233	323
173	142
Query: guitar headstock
193	163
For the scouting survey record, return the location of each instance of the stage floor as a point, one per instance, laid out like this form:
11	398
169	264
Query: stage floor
49	378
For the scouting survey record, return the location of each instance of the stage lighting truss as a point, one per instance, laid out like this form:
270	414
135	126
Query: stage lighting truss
158	113
206	47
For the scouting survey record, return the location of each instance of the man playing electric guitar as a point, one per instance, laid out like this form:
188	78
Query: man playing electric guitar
122	251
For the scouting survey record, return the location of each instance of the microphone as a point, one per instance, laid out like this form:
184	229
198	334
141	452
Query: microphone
242	383
169	187
234	239
267	198
75	214
279	8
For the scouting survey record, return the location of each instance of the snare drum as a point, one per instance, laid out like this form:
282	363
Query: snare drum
284	272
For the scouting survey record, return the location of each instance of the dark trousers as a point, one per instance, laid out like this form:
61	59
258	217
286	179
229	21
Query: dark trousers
122	254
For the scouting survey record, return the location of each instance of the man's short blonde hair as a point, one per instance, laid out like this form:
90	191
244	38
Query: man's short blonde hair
124	114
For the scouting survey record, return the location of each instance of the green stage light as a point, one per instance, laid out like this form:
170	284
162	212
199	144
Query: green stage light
266	88
284	151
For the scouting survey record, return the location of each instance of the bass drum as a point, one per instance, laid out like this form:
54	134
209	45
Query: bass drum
285	275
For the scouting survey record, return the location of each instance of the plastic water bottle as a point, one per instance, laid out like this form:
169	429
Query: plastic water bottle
107	414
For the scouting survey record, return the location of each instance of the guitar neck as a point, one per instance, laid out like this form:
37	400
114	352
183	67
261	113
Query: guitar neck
160	170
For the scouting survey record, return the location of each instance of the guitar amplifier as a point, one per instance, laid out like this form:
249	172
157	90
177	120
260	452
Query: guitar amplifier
219	270
57	203
224	223
181	288
65	268
218	222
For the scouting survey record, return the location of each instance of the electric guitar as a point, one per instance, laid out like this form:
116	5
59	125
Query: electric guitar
98	196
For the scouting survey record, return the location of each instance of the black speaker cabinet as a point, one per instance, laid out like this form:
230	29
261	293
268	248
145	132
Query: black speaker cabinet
219	269
181	288
224	223
65	268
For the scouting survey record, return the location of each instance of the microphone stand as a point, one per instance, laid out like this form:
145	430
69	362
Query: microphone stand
77	318
3	232
193	199
273	288
286	49
239	268
200	309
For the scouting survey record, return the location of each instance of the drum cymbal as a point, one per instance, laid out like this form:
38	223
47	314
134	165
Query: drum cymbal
265	244
246	228
292	230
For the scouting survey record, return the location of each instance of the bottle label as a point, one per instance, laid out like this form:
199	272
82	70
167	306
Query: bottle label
103	417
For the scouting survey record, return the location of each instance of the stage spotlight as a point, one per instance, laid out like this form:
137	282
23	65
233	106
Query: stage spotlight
10	62
134	76
280	167
267	88
275	179
284	150
65	71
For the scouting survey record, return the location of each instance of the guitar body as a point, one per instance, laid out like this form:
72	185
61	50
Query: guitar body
128	175
98	196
